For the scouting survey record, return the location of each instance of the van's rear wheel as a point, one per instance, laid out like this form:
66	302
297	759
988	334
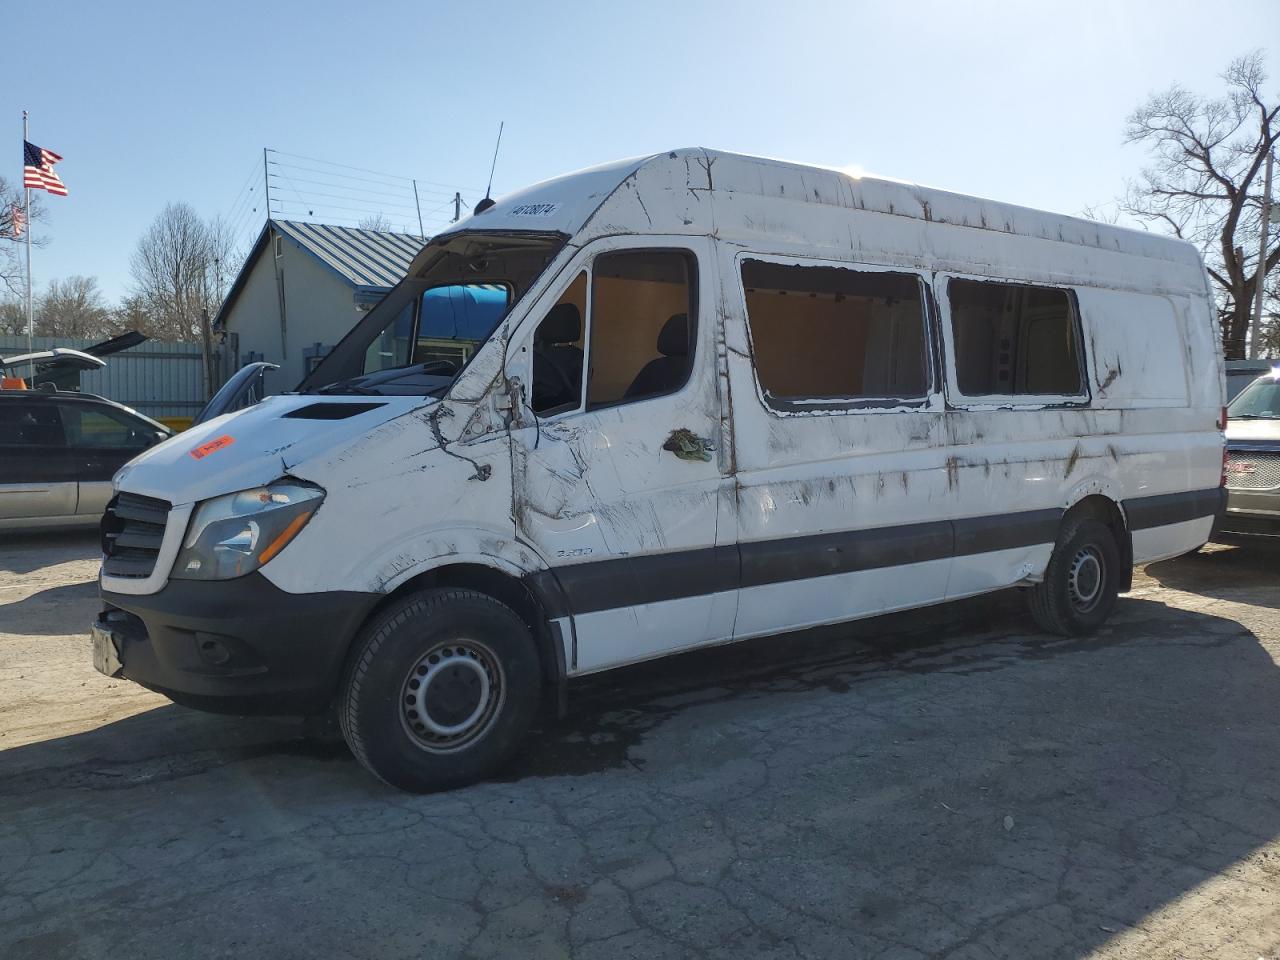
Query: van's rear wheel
440	690
1081	582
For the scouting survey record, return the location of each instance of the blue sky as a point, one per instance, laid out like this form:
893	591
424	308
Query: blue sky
153	102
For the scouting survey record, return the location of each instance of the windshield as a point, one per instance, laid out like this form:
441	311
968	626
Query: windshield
1258	401
424	332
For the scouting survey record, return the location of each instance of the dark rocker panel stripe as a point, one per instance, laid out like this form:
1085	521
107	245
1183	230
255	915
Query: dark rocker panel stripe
630	581
1146	512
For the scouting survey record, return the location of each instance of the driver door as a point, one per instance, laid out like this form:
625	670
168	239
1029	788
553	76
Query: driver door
620	478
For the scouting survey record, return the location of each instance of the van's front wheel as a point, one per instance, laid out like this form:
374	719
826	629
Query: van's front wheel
1082	580
441	689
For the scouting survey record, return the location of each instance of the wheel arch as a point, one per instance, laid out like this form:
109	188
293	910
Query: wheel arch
1097	500
536	598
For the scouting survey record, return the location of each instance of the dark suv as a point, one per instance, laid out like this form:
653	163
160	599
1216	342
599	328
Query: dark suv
1253	462
58	452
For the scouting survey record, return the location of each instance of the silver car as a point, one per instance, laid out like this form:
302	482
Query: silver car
58	451
1253	461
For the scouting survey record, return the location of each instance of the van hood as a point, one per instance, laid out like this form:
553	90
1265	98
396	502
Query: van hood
287	434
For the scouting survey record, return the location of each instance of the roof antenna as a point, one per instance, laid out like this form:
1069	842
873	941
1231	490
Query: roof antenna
487	202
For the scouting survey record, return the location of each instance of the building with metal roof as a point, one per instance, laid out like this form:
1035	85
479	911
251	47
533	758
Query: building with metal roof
304	285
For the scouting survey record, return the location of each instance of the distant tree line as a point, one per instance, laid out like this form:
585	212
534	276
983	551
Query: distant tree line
180	272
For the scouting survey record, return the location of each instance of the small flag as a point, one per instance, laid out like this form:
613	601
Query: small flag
18	219
37	169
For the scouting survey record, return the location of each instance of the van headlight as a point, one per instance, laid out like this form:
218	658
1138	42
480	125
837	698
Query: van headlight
236	534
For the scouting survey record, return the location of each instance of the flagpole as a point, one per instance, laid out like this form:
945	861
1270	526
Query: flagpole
31	317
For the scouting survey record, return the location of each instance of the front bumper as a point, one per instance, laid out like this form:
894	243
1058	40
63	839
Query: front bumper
236	646
1250	513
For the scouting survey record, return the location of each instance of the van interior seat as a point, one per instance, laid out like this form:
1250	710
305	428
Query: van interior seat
556	344
665	373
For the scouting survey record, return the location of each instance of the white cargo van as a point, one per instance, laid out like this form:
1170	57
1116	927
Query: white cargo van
659	404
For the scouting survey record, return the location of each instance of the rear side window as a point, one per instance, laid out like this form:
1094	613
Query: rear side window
1014	340
831	333
89	427
30	424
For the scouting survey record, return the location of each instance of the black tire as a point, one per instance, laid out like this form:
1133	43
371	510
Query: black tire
435	661
1081	582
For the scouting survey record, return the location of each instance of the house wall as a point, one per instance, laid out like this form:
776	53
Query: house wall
319	307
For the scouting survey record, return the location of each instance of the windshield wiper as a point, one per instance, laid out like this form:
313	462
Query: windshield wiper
362	383
348	385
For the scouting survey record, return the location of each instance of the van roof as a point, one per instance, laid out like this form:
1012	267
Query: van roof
671	192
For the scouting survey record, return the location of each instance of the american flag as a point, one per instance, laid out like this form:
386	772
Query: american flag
37	169
18	220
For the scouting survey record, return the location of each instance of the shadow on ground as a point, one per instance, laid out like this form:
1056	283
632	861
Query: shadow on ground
53	612
949	782
24	552
1226	573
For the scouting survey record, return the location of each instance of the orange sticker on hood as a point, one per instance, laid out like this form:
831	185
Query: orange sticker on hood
213	446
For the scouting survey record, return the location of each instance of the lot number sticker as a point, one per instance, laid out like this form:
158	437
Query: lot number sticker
213	446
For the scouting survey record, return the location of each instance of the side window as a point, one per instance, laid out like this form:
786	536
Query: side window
88	427
557	352
834	333
638	305
1013	340
30	424
642	326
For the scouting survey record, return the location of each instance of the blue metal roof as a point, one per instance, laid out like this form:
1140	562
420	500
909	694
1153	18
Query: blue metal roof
364	258
371	261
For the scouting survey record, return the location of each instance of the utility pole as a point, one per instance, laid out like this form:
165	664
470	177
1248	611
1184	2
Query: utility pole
206	343
457	206
418	206
1255	328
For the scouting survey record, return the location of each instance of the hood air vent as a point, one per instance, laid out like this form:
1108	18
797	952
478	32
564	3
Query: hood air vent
331	411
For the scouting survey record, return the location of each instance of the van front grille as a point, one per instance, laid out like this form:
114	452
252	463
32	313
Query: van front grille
132	531
1253	471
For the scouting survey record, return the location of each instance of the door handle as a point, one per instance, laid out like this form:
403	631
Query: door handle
687	445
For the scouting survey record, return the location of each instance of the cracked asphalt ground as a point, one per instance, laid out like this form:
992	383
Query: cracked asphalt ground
940	784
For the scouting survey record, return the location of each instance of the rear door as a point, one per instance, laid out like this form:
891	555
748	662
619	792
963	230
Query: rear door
101	440
37	473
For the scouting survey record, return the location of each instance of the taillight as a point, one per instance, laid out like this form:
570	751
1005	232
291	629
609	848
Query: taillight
1222	420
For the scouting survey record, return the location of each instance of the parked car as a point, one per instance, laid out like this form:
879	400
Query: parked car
1241	373
1253	462
719	397
58	452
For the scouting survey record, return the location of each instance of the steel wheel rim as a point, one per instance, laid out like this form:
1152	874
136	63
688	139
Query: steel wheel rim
1085	578
452	695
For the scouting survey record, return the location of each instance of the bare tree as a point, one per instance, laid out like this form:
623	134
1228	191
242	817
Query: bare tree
169	268
180	271
73	308
376	222
1204	183
13	314
133	313
13	270
1269	341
